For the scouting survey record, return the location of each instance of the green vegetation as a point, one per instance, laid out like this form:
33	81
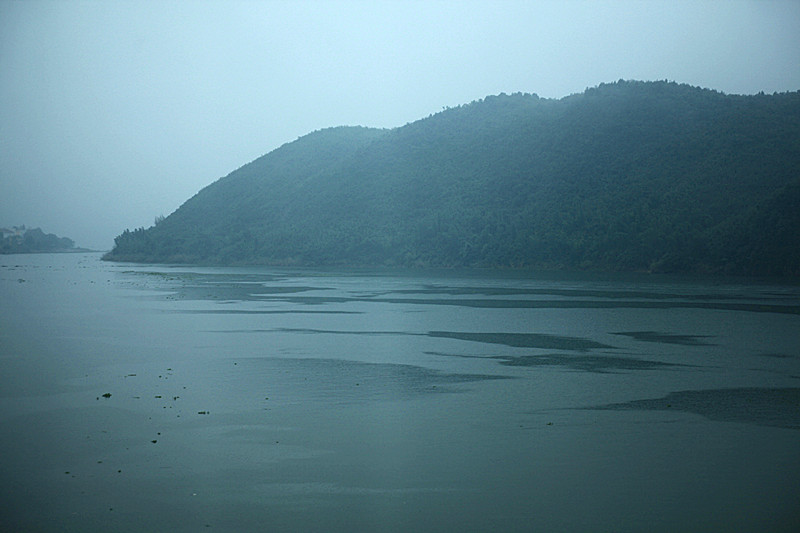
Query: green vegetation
645	176
19	240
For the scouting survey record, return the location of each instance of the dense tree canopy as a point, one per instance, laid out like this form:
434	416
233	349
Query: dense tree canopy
649	176
34	240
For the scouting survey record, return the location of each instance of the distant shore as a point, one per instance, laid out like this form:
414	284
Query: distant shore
64	251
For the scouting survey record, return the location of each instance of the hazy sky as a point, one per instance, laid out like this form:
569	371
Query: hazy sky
112	113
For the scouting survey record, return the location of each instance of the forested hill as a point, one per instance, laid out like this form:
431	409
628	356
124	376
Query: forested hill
645	176
22	240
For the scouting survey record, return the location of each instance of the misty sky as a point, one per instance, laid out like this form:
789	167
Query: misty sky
112	113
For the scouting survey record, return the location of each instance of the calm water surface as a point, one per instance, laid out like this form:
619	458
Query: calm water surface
161	398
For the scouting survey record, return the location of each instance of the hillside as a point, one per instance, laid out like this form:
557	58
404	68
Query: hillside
22	240
648	176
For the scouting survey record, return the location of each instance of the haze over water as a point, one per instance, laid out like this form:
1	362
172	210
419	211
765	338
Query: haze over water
166	398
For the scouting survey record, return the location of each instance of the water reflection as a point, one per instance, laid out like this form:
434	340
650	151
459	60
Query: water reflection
581	363
290	289
779	407
179	399
524	340
666	338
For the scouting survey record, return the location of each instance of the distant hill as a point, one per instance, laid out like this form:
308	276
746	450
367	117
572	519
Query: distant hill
628	176
22	240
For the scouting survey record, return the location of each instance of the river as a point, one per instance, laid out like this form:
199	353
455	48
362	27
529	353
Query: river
176	398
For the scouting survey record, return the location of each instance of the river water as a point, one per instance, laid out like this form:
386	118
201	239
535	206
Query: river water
175	398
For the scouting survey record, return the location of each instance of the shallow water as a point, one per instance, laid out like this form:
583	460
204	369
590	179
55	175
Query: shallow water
160	398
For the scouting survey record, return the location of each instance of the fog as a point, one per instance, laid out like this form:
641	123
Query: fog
113	113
